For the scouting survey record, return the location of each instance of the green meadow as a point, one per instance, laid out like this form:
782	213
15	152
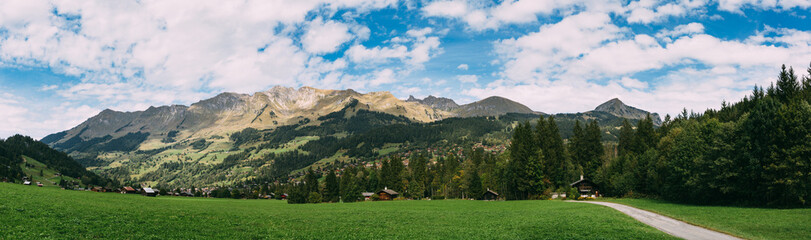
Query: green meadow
745	222
30	212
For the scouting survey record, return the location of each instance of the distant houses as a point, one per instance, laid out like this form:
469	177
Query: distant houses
387	194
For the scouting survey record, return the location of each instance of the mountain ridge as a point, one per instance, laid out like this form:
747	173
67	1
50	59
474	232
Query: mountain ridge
617	108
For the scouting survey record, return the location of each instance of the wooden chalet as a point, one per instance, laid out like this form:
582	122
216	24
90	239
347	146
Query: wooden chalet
149	192
490	195
367	195
387	194
585	187
128	190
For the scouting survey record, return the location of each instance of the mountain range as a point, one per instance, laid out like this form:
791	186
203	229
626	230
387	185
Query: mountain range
337	123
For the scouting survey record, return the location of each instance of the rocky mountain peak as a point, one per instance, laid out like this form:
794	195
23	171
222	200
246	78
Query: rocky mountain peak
442	103
618	108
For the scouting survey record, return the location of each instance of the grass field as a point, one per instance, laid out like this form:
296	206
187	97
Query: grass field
750	223
39	213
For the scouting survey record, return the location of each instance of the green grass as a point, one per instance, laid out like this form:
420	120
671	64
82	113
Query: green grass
48	178
40	213
750	223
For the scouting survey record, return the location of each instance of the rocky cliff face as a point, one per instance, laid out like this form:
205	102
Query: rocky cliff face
228	112
441	103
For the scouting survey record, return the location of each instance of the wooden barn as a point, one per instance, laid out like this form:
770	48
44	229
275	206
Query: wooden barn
387	194
128	190
490	195
149	192
585	187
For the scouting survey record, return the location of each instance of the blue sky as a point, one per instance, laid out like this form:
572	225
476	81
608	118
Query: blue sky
62	62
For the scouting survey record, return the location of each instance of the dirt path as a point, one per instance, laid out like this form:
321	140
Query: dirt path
665	224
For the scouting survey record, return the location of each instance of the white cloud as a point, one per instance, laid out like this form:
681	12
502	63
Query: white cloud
456	8
681	30
633	83
648	11
468	79
325	37
422	49
575	59
737	5
541	54
480	16
131	54
462	67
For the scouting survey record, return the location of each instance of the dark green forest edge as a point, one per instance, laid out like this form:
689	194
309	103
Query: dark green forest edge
754	152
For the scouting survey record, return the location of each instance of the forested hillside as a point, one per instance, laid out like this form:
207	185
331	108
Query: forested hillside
756	152
14	149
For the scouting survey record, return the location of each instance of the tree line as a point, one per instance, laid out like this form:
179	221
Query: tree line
756	152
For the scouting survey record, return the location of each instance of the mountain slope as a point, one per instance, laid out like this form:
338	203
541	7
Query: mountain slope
441	103
231	137
226	113
618	108
23	156
492	106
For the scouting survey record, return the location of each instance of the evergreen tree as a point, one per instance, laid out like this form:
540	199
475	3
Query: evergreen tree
787	85
349	186
333	191
525	166
645	136
311	181
626	138
474	189
553	152
416	186
592	150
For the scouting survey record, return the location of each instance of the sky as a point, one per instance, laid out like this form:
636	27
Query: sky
64	61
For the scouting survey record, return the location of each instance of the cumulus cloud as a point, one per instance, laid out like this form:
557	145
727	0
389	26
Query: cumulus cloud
648	11
462	67
422	48
468	79
481	17
580	55
325	37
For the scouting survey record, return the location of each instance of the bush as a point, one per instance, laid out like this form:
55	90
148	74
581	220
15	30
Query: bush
572	193
314	197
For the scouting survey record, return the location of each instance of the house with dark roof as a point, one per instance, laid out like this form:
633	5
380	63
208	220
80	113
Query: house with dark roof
387	194
490	195
585	187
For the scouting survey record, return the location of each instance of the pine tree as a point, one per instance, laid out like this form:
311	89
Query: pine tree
311	181
348	186
626	137
333	191
787	85
525	168
592	149
645	136
474	189
416	186
576	145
